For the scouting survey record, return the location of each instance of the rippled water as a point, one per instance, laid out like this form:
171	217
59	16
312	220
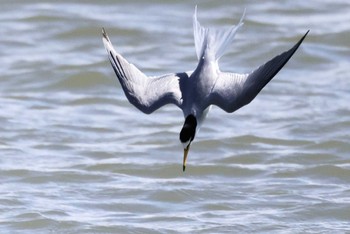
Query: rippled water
76	157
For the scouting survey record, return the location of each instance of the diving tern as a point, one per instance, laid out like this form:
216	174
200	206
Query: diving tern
195	91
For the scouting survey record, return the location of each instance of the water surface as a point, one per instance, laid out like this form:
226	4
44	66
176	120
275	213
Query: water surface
76	157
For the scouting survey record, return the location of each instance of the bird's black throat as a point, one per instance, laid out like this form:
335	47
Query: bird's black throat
188	131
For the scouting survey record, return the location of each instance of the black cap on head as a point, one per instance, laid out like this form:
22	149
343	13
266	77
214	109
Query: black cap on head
188	131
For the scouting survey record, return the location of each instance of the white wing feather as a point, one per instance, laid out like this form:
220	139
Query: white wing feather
145	93
232	91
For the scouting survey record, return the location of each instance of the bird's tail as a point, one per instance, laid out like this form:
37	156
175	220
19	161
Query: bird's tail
215	40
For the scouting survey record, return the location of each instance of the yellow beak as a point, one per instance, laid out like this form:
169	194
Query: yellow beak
185	157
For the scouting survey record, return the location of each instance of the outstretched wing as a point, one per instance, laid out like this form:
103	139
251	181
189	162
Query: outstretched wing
145	93
232	91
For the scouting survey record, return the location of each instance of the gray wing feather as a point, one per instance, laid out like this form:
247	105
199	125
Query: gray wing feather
232	91
145	93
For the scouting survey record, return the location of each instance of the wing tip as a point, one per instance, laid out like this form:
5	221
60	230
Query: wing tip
300	41
307	32
104	34
303	37
106	41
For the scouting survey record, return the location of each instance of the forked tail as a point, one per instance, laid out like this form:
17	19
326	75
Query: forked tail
215	40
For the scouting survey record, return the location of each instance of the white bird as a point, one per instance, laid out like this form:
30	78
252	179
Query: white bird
195	91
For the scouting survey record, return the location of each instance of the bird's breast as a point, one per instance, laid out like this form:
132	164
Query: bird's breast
198	87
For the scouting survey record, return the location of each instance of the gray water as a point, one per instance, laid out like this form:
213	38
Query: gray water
76	157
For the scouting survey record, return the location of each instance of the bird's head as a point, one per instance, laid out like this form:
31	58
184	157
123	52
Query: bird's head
187	135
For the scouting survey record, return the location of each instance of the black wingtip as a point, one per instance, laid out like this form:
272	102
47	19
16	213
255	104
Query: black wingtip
183	168
296	46
305	34
104	34
302	39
